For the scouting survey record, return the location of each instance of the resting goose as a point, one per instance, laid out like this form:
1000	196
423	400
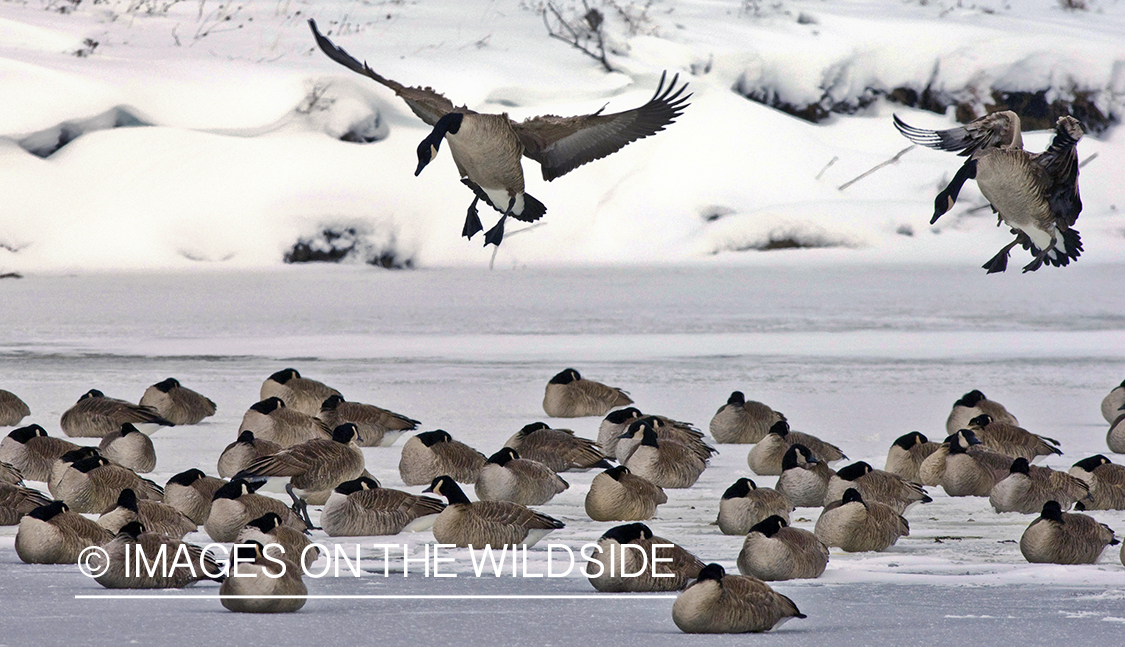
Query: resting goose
774	551
507	477
804	478
569	395
650	563
1058	537
130	448
33	452
299	393
1113	404
237	455
973	404
273	420
487	148
158	517
558	449
191	492
619	495
859	526
765	457
177	403
718	603
360	508
875	485
1027	487
1036	194
95	415
430	454
12	409
269	529
907	453
665	429
744	505
258	583
17	500
1106	481
742	421
377	426
486	523
177	572
53	534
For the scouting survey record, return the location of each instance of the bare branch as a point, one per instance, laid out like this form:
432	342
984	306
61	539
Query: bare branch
894	159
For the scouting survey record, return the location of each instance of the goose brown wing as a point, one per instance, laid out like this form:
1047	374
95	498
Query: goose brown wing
513	514
644	487
427	103
1060	165
991	131
562	144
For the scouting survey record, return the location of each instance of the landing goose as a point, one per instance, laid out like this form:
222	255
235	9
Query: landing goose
569	395
177	403
508	477
1036	194
615	568
619	495
360	507
95	415
487	148
377	427
774	551
12	409
486	523
718	603
1058	537
744	505
742	421
33	452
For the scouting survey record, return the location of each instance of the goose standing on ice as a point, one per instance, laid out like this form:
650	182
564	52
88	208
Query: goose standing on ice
487	148
1036	194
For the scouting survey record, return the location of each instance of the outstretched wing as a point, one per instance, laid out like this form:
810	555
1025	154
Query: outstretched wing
427	103
997	130
562	144
1060	163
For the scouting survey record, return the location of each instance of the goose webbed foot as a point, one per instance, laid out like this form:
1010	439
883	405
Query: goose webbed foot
472	221
1037	262
999	263
948	196
495	235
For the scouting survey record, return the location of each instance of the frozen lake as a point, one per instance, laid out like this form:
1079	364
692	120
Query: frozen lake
857	355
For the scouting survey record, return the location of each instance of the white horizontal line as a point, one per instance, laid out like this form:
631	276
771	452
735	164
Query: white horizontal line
579	596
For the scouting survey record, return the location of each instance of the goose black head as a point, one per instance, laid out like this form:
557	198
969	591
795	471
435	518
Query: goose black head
970	399
445	486
428	149
246	437
566	377
1052	511
781	428
233	490
345	433
852	495
796	456
92	393
132	530
627	533
49	511
648	438
983	420
431	438
331	402
911	439
127	499
284	375
503	456
1092	463
75	455
87	465
615	473
961	441
266	522
739	489
712	572
527	430
638	426
24	434
187	477
167	385
769	526
854	471
621	416
268	406
357	485
1019	466
128	428
737	398
247	551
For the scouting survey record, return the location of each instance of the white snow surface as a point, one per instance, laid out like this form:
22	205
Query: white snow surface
242	157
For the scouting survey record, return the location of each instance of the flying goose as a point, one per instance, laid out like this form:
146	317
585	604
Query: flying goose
191	492
742	421
486	523
257	583
774	551
875	485
159	517
94	484
619	495
856	525
175	573
128	447
718	603
1036	194
237	455
665	429
804	478
1009	439
377	427
569	395
17	500
298	393
1027	487
666	463
177	403
907	453
558	449
431	454
33	452
1115	437
507	477
235	504
744	505
973	404
95	415
487	148
1058	537
1106	481
963	467
53	534
1113	404
360	507
312	469
766	456
12	409
624	562
271	419
270	529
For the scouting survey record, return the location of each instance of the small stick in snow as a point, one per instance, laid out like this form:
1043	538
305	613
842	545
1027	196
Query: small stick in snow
875	168
830	163
496	249
1091	158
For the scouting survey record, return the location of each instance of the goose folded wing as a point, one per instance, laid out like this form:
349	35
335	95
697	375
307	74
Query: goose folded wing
506	513
562	144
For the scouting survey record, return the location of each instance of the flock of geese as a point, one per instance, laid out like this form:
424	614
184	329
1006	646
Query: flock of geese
303	439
